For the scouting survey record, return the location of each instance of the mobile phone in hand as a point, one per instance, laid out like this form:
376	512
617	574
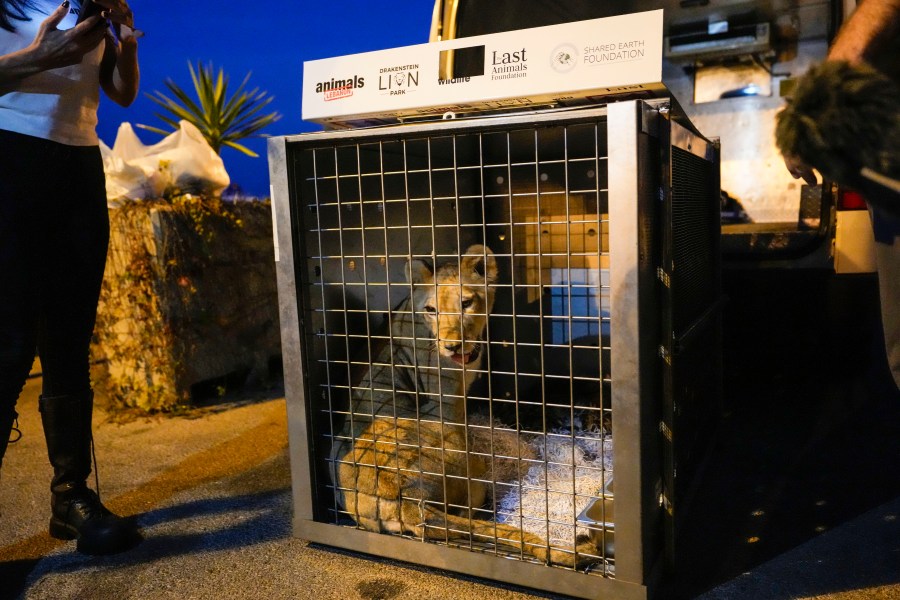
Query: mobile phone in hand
89	8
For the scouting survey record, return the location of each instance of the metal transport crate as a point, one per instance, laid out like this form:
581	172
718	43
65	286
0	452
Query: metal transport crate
483	321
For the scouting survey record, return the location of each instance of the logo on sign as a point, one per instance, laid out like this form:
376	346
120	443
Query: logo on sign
509	64
335	89
398	80
564	58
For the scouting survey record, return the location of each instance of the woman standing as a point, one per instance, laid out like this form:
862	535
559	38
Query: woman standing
54	231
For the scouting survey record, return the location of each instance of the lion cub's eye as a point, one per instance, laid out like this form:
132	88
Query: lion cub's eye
467	303
430	309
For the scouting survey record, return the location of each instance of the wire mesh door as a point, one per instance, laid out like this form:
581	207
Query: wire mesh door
451	286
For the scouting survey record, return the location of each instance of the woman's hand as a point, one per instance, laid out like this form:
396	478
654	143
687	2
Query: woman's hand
119	14
119	72
52	48
799	169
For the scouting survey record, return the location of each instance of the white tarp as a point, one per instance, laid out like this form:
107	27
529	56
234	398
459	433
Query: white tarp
182	160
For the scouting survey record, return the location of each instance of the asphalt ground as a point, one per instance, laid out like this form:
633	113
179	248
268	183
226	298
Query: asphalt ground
211	492
800	496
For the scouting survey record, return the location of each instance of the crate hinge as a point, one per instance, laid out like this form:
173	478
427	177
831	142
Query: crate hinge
663	276
666	431
650	121
665	355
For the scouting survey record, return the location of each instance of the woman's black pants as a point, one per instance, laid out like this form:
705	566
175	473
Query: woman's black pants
54	233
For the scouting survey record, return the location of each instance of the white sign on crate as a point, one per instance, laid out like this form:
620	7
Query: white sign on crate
568	64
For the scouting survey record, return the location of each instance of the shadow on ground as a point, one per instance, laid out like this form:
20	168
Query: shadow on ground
248	509
810	434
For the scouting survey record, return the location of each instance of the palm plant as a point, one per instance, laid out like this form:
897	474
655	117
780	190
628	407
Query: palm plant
222	120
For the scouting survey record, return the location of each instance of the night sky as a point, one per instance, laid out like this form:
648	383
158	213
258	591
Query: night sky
271	39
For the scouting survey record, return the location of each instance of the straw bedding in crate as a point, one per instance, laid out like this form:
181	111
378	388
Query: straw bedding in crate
572	471
543	481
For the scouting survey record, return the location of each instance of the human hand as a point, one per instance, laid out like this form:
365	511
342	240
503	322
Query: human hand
119	14
53	49
797	168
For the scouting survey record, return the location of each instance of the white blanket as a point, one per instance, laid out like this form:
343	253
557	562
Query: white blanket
571	470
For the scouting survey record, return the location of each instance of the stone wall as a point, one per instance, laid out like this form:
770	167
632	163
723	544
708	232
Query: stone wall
189	295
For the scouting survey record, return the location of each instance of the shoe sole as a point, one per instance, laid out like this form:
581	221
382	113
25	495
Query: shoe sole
61	531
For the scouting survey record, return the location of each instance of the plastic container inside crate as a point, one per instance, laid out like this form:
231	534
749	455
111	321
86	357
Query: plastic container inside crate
599	518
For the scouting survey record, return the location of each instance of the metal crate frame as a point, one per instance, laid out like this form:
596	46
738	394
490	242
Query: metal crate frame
649	338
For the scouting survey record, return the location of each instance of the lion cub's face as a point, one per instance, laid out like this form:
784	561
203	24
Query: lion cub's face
456	301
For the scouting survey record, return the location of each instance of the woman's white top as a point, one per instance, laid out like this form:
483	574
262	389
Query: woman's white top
58	105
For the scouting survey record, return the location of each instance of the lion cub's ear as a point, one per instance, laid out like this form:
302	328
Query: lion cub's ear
480	260
418	271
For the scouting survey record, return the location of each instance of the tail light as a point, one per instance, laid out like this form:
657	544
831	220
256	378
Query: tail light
851	200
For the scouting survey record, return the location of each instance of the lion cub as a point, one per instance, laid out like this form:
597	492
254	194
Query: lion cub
400	463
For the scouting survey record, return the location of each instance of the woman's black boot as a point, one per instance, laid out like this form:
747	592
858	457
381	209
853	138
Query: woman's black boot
77	512
6	427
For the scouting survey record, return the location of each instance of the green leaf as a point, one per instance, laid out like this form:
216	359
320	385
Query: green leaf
151	128
242	148
223	119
